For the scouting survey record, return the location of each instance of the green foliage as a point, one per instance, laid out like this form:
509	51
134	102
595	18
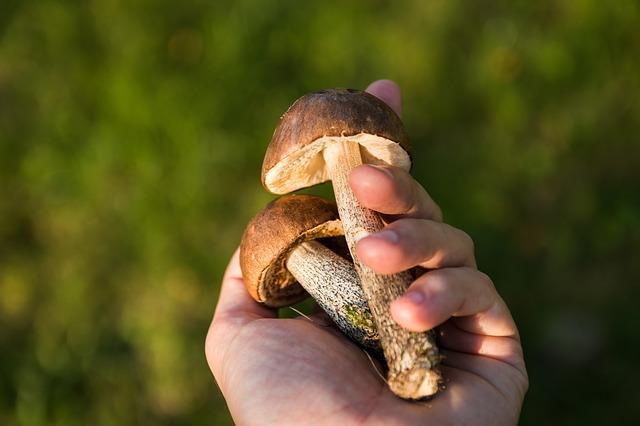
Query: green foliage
131	138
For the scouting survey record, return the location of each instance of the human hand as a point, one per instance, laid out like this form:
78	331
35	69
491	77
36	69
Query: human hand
296	371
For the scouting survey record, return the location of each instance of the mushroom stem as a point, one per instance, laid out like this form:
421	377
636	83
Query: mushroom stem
334	284
412	357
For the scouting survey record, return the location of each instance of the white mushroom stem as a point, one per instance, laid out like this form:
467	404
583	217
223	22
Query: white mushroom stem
411	357
334	284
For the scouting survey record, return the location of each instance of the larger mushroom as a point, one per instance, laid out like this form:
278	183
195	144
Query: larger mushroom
282	260
323	136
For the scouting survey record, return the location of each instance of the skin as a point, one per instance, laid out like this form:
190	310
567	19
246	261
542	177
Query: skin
296	371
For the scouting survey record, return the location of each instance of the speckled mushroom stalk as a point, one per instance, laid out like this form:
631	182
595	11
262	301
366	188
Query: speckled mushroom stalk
280	258
323	136
334	284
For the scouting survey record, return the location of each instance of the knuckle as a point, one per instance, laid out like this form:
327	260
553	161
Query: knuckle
409	201
430	242
467	242
524	383
485	281
404	205
410	195
435	280
437	213
409	229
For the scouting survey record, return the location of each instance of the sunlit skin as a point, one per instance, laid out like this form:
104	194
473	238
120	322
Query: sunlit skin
296	371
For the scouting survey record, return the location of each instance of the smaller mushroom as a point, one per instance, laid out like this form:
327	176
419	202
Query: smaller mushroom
282	261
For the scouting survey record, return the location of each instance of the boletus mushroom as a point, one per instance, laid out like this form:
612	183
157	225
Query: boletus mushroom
323	136
282	260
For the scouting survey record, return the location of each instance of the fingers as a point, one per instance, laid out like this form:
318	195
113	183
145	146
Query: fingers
506	349
389	92
491	371
454	292
495	321
234	301
392	191
406	243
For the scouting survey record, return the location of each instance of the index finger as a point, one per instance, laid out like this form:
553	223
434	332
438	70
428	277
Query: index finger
393	192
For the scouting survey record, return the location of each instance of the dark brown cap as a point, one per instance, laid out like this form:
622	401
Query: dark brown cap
272	234
294	157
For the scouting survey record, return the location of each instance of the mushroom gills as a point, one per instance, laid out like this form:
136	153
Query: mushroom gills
306	167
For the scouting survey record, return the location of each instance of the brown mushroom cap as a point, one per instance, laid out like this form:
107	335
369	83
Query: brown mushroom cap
294	157
272	234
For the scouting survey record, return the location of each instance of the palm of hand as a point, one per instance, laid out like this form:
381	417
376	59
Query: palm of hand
307	373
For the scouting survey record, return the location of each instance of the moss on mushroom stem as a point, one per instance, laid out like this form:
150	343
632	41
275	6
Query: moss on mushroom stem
362	319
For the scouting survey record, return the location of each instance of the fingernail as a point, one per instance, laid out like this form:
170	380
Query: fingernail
359	233
386	235
413	297
384	170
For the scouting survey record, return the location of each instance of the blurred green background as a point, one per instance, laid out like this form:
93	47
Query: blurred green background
131	140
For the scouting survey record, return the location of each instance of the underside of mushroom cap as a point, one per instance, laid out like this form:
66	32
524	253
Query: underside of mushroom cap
272	234
294	158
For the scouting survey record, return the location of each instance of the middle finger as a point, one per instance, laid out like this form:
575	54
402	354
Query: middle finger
406	243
